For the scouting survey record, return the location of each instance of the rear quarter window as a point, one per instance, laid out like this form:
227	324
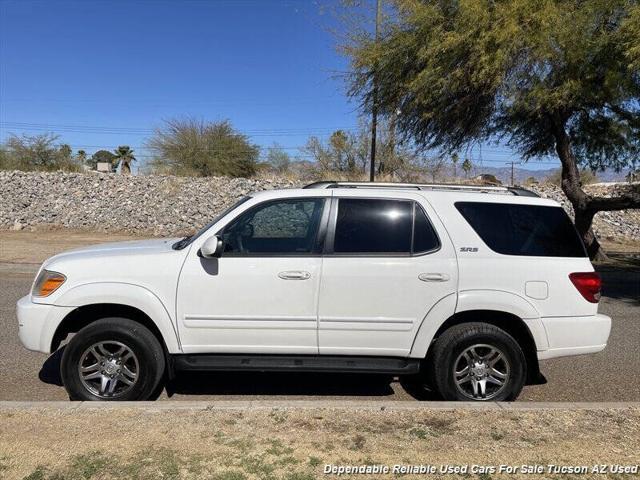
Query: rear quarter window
529	230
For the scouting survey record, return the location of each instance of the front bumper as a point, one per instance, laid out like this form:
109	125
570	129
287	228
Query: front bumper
569	336
37	323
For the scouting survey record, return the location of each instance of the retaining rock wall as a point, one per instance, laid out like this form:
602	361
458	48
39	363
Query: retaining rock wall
167	205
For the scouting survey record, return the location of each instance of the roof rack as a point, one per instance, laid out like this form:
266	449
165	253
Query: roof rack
518	191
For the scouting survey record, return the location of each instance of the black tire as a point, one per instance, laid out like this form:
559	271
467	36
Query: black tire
447	354
148	354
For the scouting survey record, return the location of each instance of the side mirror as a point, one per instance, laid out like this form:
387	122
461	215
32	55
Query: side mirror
211	248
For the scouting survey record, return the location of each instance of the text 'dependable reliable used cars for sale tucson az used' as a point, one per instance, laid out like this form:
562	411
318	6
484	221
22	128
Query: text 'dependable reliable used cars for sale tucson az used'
460	290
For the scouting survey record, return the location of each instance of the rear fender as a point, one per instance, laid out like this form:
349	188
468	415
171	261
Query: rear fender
508	302
492	300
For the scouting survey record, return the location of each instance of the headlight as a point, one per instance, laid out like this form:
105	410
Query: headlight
47	283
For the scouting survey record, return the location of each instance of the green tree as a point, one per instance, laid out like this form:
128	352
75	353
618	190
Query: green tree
65	151
454	161
431	166
195	147
347	153
466	167
123	157
81	157
339	154
102	156
38	152
278	158
548	78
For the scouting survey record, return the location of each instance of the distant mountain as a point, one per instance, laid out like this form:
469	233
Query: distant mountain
521	174
501	173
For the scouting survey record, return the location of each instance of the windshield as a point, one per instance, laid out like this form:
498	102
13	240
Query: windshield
186	241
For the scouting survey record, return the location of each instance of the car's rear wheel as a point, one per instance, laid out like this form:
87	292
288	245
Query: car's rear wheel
113	359
477	362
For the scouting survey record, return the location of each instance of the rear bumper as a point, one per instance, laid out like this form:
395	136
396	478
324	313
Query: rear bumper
37	323
569	336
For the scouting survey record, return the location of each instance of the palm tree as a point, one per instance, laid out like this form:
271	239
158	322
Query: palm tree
466	166
124	157
454	161
81	156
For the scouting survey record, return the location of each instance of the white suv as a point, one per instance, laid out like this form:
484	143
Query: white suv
457	289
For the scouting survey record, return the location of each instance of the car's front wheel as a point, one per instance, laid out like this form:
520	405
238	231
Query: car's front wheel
113	359
477	362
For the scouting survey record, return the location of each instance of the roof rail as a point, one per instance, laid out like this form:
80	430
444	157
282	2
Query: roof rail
321	184
522	192
519	191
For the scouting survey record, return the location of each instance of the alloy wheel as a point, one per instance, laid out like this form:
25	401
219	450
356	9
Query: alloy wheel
109	369
481	372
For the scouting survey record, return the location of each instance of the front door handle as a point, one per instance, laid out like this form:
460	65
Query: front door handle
294	275
434	277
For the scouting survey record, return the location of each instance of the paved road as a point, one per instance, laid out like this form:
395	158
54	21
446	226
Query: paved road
612	375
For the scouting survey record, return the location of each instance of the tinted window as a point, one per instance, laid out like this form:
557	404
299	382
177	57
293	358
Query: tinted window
523	229
373	226
424	236
286	226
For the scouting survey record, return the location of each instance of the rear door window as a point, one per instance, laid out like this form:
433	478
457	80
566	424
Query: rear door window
425	238
373	226
382	226
530	230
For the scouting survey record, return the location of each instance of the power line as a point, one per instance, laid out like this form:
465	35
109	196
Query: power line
144	131
300	153
476	153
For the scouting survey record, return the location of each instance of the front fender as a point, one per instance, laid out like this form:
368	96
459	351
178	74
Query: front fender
124	294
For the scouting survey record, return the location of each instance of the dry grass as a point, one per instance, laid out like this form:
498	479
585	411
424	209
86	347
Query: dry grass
296	444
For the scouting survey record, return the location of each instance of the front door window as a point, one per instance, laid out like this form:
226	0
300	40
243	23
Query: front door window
282	227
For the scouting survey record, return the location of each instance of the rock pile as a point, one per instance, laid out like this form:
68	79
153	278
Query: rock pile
606	225
153	205
169	206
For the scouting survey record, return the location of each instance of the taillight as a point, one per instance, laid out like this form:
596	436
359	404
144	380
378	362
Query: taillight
588	284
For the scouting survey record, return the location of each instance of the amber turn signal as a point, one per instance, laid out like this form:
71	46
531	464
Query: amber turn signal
47	283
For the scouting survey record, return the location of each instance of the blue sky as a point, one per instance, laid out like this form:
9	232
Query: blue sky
102	73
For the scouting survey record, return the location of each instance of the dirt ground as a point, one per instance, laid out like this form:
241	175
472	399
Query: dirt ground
35	247
297	444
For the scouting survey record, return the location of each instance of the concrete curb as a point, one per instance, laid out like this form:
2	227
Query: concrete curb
253	405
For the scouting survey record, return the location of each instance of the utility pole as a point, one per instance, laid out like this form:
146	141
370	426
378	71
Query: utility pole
512	164
374	106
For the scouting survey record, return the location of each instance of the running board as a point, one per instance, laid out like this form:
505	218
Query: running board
296	363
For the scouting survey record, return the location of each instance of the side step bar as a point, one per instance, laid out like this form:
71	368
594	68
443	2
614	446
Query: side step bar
296	363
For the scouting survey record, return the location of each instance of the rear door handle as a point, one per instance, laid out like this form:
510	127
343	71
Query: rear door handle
294	275
434	277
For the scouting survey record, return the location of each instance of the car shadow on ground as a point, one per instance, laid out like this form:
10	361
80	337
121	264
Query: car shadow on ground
279	383
621	278
265	384
293	384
